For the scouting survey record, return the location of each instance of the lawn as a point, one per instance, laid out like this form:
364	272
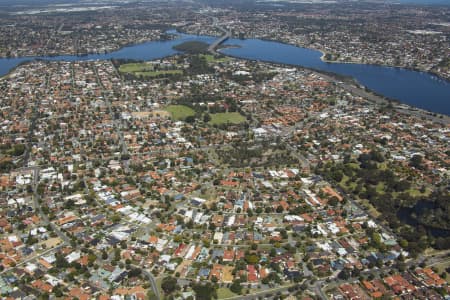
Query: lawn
345	183
441	267
212	59
354	166
371	209
145	70
382	166
224	118
158	281
417	193
223	293
380	188
180	112
157	73
135	67
209	194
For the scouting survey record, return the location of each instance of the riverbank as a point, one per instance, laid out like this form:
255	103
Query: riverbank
399	107
411	88
364	92
168	35
322	58
409	110
6	75
375	97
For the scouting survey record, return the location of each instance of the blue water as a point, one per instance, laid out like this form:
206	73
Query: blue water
414	88
418	89
144	51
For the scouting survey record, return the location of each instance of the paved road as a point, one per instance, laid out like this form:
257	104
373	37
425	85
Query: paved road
318	290
226	35
264	293
117	123
294	152
38	208
152	283
36	171
33	258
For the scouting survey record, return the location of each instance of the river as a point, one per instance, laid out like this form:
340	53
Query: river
417	89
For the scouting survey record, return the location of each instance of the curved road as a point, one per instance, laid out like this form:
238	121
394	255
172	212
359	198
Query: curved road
152	282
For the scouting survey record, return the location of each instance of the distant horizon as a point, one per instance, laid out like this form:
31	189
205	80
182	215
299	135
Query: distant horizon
429	2
38	2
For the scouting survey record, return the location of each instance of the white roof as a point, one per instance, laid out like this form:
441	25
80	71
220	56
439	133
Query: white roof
73	256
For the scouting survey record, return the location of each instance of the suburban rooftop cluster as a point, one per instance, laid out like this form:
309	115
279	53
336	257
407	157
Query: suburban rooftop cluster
151	178
384	34
415	37
102	30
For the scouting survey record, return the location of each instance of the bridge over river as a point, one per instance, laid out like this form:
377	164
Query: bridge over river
226	35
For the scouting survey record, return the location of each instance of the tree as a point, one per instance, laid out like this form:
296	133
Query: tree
57	291
205	291
190	119
31	240
116	218
403	243
123	244
134	272
416	161
376	239
61	262
169	284
252	259
190	224
273	252
17	150
6	165
344	274
401	266
333	201
280	209
236	287
92	258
